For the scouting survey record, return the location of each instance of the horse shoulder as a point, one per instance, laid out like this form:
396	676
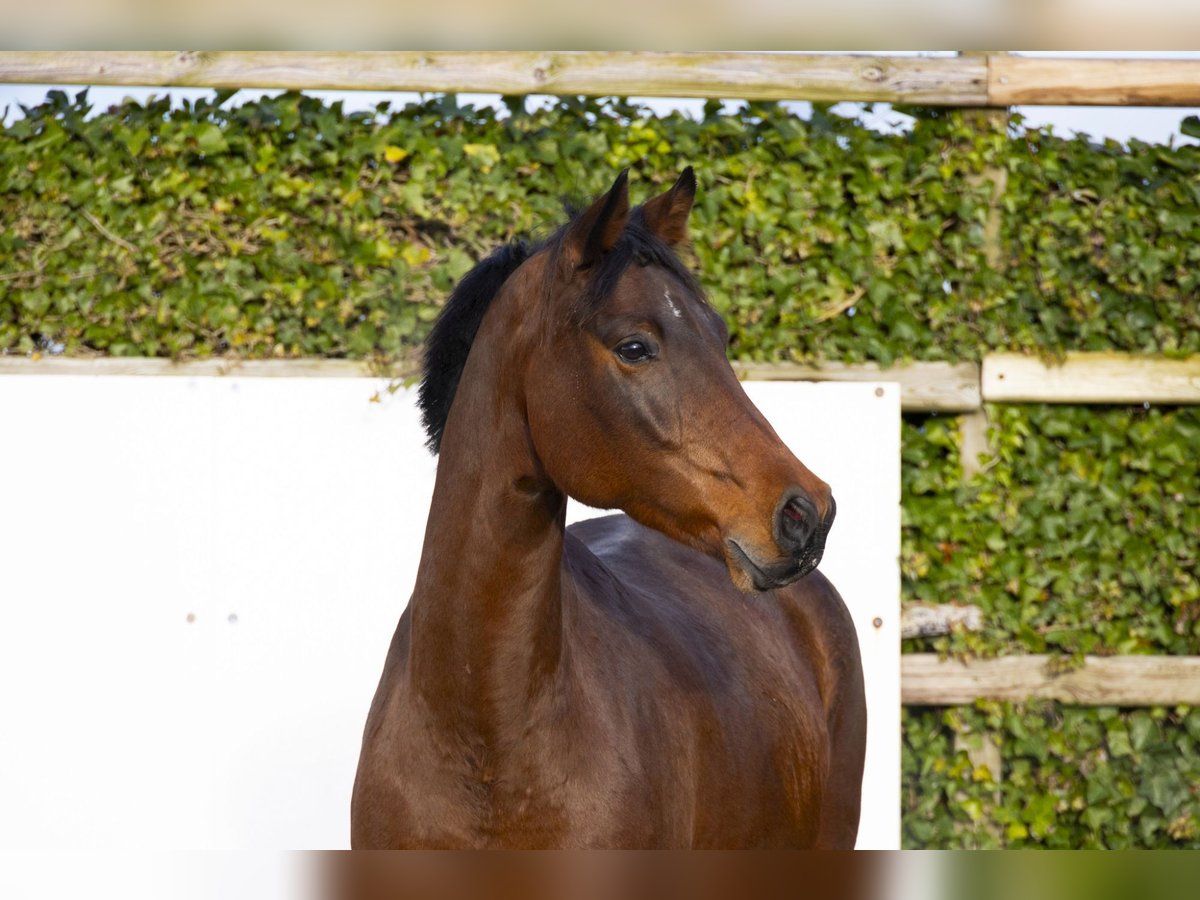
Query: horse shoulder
755	673
410	774
824	633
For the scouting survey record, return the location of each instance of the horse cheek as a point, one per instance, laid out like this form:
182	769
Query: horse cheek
561	427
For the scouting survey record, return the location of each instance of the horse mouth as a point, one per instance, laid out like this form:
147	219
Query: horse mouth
772	575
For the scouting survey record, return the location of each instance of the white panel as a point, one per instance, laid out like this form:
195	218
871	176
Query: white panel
201	578
849	435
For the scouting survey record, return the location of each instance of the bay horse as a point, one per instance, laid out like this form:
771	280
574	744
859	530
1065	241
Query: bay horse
676	676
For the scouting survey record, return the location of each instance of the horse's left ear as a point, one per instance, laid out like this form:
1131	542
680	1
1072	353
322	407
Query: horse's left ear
667	214
596	230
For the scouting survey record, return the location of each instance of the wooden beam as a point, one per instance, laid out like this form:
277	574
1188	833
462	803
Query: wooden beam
927	680
924	386
944	387
932	619
1081	82
1090	378
991	80
247	368
751	76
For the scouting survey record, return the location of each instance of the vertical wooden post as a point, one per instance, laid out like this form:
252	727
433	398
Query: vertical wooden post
973	426
973	442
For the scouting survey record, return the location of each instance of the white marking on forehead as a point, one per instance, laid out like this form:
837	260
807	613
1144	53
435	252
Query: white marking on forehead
671	303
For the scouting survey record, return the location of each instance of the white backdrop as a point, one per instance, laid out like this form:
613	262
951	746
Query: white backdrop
200	578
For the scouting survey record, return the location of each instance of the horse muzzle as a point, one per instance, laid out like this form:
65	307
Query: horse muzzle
800	534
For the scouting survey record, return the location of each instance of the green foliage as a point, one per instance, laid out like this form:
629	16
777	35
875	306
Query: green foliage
286	228
1072	777
1080	535
1112	256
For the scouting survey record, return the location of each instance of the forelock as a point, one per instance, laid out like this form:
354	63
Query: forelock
637	245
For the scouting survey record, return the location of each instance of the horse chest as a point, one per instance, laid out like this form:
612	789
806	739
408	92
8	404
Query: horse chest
538	795
671	771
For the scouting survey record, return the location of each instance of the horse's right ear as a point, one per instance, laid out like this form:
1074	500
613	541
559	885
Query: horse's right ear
667	214
596	229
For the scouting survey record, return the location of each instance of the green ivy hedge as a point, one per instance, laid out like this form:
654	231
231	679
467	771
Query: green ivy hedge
1080	535
1072	777
287	228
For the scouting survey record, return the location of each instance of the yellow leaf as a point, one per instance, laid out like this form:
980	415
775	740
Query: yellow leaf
981	773
487	154
394	154
414	255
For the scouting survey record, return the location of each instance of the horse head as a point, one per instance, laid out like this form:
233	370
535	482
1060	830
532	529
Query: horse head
632	403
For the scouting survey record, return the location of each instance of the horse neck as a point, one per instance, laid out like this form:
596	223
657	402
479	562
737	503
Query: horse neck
486	611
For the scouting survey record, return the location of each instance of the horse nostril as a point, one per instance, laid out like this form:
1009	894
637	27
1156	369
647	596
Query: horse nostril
796	522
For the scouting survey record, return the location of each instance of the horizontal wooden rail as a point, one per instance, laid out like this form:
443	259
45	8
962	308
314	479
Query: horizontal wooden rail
926	680
1091	378
249	368
943	387
753	76
994	80
924	386
1014	80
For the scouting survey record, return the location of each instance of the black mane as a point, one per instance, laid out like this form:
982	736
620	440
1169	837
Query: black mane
449	343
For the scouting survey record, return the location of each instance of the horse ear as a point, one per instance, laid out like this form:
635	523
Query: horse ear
599	226
667	214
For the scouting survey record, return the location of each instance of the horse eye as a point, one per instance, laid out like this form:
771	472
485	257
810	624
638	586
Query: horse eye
633	351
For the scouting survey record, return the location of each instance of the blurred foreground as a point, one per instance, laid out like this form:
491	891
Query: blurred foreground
598	875
537	23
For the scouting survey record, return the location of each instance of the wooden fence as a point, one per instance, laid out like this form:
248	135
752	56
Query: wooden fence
926	680
924	386
975	80
969	80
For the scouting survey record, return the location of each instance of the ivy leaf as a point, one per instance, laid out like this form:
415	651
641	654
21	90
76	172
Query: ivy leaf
1165	790
1119	743
210	139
